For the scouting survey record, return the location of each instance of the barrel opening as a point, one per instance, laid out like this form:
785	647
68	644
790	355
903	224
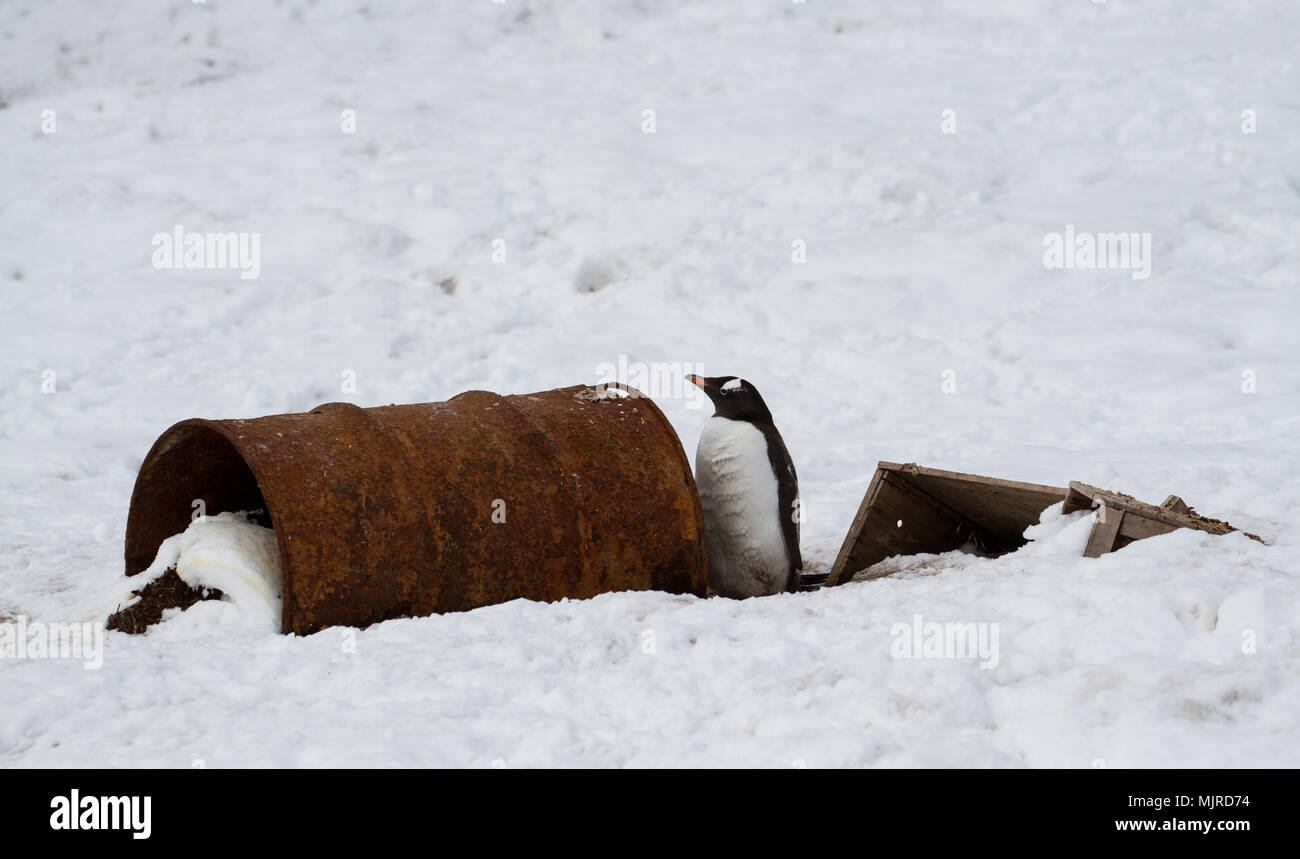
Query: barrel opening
191	470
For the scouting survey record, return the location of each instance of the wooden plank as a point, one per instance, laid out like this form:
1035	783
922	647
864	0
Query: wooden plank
1076	500
997	505
903	483
925	528
1129	504
855	530
1137	527
911	468
989	541
1002	508
1142	520
1102	539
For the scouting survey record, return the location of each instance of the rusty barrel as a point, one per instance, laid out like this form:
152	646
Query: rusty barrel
409	510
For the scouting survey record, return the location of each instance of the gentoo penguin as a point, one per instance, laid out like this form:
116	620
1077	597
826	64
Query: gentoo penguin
749	492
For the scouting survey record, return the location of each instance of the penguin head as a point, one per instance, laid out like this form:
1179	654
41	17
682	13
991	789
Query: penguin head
733	398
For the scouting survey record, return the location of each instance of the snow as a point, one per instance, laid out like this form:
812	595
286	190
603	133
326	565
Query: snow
229	553
501	220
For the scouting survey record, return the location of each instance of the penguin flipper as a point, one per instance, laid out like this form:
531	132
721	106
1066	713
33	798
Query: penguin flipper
788	505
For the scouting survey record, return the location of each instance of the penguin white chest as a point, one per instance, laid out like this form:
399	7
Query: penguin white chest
742	525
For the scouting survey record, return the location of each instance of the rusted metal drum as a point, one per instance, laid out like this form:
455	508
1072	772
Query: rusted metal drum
400	511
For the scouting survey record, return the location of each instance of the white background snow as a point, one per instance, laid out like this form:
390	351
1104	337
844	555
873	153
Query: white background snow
774	121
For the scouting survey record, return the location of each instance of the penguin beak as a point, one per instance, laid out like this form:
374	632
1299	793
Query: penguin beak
698	380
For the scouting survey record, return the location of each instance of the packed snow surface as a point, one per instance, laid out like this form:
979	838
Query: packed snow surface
846	204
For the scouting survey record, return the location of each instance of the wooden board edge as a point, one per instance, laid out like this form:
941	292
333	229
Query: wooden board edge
1115	501
1104	533
851	541
967	477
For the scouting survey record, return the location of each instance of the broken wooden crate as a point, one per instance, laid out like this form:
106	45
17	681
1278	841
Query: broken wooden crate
1121	518
910	509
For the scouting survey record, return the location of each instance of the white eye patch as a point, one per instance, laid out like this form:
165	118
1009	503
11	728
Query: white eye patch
732	385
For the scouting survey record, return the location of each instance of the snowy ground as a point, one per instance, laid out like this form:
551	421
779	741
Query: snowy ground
774	122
